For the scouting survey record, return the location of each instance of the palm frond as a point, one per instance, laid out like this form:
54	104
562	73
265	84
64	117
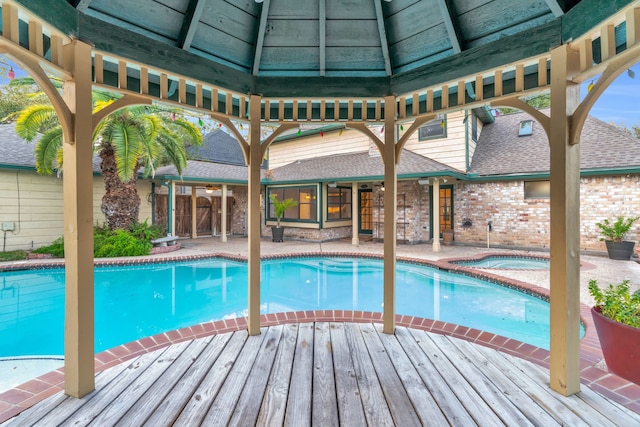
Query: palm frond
46	151
189	132
34	119
127	141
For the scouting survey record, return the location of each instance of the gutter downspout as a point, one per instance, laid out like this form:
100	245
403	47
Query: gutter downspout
466	140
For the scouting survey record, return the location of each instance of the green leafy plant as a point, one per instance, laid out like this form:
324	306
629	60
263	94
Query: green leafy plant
617	229
617	302
56	249
13	255
145	231
120	243
281	206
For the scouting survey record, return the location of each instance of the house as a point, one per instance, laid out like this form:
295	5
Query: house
31	208
487	168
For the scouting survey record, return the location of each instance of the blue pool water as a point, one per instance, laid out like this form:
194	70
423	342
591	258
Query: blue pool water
132	302
508	263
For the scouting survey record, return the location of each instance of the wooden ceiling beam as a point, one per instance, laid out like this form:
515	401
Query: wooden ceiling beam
555	8
260	39
189	23
322	21
383	37
451	24
83	5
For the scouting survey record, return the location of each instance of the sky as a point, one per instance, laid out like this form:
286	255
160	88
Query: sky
619	104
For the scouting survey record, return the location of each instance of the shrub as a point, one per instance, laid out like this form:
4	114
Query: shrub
56	249
616	230
120	243
617	302
13	255
146	232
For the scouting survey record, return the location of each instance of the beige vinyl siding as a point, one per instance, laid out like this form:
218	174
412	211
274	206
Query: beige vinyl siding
283	153
450	150
34	204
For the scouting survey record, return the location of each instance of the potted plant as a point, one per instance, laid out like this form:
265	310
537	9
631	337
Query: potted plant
280	207
617	319
614	234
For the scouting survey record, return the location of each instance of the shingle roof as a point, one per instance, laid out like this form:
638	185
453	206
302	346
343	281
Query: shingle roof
218	146
356	165
500	151
209	170
18	152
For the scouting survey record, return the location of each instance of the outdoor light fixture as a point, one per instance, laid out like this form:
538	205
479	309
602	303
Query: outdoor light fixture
11	74
209	189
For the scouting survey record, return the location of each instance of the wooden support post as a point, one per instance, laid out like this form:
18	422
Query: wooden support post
78	226
223	219
390	196
172	209
435	213
194	208
355	238
565	227
255	160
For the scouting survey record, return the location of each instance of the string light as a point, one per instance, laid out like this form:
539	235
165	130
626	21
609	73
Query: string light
401	127
200	122
590	86
173	117
630	73
442	123
299	131
219	125
340	132
382	129
321	133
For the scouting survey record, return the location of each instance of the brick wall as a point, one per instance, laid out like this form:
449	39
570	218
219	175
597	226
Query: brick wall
525	223
239	211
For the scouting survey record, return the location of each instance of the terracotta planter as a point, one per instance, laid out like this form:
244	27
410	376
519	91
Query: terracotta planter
620	345
447	236
620	250
277	234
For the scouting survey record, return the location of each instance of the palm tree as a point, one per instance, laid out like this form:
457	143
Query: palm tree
127	141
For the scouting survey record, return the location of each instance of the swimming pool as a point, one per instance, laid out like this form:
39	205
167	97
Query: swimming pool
508	262
132	302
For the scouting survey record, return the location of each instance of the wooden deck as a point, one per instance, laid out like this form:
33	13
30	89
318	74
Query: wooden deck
326	374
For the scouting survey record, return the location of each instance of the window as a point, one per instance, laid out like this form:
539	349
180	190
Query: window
526	128
338	203
434	129
474	127
537	189
304	211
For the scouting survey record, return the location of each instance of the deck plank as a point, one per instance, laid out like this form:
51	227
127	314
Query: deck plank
423	402
167	411
274	402
374	403
223	406
605	415
542	394
521	400
327	374
400	404
484	385
34	414
203	397
299	400
446	399
83	410
475	405
123	402
350	410
324	411
140	410
251	396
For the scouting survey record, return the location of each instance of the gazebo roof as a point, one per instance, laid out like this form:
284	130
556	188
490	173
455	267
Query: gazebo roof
313	48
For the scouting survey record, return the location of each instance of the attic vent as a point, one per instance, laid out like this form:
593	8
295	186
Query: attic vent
526	128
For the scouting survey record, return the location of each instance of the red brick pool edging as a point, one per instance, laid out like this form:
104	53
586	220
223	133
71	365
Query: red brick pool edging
16	400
